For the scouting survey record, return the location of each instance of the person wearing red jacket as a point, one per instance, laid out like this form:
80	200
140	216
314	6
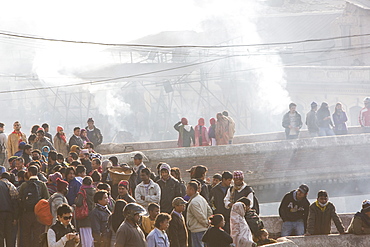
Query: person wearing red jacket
364	117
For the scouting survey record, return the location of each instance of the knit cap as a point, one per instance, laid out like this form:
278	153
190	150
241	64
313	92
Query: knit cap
124	183
238	175
61	184
53	177
366	206
166	167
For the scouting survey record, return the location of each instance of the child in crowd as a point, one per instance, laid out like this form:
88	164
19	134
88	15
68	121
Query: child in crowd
215	236
148	222
263	238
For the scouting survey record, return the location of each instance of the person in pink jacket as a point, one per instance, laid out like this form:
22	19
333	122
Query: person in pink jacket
201	134
364	117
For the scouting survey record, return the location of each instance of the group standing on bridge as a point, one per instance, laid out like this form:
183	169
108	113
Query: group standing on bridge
319	121
220	131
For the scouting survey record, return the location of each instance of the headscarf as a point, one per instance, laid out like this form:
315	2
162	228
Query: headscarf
61	184
46	154
239	208
201	121
117	216
53	177
63	136
184	121
212	121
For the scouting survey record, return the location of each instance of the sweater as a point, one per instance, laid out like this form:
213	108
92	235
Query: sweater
293	210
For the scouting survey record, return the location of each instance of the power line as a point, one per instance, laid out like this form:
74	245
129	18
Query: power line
24	36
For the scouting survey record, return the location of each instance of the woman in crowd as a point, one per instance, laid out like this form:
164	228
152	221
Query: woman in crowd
212	131
60	142
84	137
158	237
340	119
240	231
116	219
215	236
201	134
222	130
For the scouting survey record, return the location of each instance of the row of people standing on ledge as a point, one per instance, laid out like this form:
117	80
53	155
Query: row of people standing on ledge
221	132
321	123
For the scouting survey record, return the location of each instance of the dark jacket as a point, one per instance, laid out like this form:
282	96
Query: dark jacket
311	122
6	204
126	197
169	190
319	222
216	237
75	140
48	135
99	224
204	191
217	196
293	210
177	232
360	224
340	119
94	136
321	114
42	143
286	122
90	204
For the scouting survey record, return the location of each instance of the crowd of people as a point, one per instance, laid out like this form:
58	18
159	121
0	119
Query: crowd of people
321	123
52	201
220	131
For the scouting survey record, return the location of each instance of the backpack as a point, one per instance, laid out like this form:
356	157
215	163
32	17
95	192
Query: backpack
43	212
254	221
31	195
83	211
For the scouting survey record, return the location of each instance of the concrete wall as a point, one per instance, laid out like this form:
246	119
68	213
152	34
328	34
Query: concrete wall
338	164
115	148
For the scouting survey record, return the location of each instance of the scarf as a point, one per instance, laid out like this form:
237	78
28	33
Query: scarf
19	134
363	217
62	137
322	207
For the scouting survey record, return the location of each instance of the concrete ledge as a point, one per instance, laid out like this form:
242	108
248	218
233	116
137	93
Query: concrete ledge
330	240
114	148
273	224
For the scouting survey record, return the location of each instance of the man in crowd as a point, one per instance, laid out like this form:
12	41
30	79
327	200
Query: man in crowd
364	117
292	122
27	154
62	232
123	191
8	210
239	190
321	213
147	191
147	222
177	231
76	139
3	141
58	198
93	133
42	141
311	121
52	161
129	233
197	215
30	193
135	178
217	196
293	211
14	139
45	126
170	188
200	175
85	160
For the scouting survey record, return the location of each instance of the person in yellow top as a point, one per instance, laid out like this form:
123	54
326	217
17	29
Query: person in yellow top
147	222
14	139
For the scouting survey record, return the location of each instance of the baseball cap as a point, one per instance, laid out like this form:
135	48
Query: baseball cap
178	201
303	188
